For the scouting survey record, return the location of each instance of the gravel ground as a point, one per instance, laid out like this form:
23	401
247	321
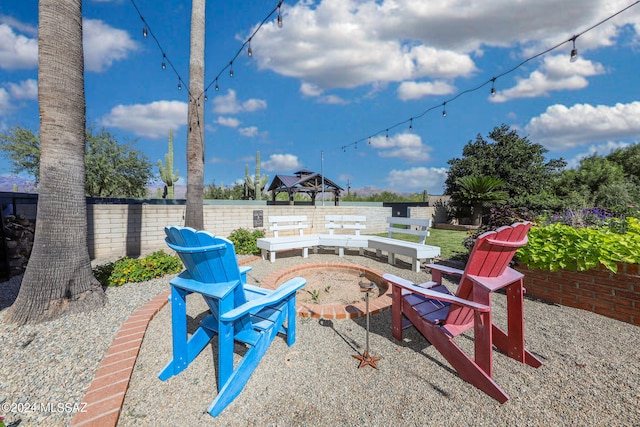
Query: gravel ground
589	374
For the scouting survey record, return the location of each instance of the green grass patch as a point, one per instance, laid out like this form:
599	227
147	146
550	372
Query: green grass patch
449	241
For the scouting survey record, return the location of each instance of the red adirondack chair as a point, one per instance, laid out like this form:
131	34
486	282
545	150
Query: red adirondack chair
441	316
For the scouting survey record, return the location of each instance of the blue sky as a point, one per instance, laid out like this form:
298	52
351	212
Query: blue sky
339	71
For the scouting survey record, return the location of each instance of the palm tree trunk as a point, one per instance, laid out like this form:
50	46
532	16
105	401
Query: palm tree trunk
58	278
476	215
194	216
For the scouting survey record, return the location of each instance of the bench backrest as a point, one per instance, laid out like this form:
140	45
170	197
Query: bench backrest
422	224
290	222
208	259
352	222
489	260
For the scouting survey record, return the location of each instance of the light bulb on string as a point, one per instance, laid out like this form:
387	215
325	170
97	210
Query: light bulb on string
144	32
206	98
574	51
444	109
411	123
217	87
369	141
493	87
231	69
164	64
387	136
279	20
249	51
179	85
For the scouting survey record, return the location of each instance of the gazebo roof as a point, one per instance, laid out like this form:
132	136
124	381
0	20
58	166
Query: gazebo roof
303	181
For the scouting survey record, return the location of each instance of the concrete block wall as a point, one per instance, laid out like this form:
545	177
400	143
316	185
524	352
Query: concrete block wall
615	295
134	230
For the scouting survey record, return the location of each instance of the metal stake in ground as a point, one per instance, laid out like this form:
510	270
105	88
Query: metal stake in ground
366	358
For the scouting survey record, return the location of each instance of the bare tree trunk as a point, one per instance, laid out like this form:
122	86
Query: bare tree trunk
194	216
58	278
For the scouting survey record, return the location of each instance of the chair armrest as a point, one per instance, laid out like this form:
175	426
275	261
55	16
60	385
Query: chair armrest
245	268
405	284
445	269
283	291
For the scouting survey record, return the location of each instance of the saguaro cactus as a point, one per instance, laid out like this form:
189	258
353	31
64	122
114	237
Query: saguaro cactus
254	186
166	172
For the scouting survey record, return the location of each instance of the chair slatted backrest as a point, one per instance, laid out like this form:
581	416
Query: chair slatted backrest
489	258
207	258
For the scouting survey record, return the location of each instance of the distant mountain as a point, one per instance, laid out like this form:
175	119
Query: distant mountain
7	182
370	190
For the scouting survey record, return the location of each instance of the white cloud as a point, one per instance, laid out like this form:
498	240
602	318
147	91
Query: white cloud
404	145
104	44
417	90
417	179
148	120
600	150
31	30
555	73
284	163
26	89
228	104
561	127
231	122
4	101
249	131
17	51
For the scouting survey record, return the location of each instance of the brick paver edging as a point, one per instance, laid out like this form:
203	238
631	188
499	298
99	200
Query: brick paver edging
105	395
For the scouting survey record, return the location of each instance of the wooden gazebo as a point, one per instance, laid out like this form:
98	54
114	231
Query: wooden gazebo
304	181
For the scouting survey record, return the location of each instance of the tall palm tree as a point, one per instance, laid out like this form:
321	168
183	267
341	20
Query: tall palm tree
479	192
58	278
194	216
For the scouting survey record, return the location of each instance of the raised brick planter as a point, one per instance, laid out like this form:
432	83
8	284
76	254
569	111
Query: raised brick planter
615	295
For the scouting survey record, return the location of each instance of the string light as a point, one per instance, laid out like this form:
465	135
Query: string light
574	55
217	87
279	16
411	123
206	98
574	51
247	44
146	31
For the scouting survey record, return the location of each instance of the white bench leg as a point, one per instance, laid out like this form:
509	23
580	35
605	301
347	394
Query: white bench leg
391	258
378	253
264	253
416	265
361	251
272	256
340	251
305	252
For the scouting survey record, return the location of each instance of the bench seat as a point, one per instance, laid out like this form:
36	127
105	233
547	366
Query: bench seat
278	244
416	251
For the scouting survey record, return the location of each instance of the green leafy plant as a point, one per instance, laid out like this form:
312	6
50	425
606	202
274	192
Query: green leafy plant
245	241
558	246
136	270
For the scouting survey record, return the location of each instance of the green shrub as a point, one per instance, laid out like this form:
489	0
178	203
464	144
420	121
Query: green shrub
245	241
127	269
558	246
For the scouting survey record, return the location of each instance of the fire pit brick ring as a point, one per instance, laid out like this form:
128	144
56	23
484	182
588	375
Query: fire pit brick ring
379	303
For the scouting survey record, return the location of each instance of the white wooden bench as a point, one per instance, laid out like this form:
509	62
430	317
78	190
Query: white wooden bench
341	240
416	251
278	243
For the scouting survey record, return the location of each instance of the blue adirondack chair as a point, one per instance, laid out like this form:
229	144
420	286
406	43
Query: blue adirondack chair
239	312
